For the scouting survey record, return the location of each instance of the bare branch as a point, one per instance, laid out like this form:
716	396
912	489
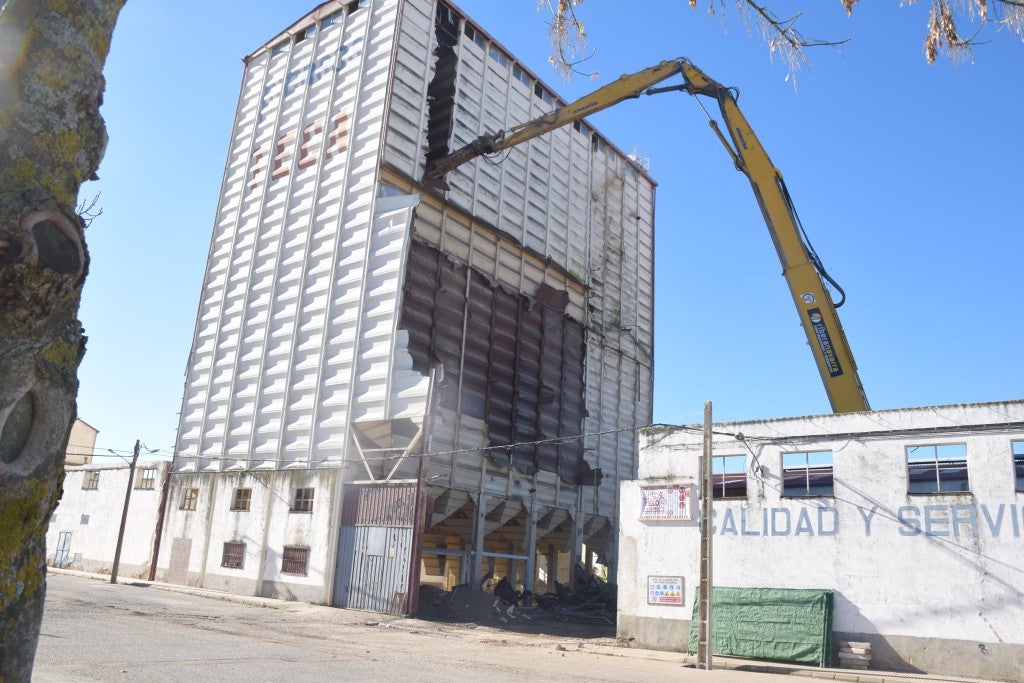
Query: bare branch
568	37
88	211
783	37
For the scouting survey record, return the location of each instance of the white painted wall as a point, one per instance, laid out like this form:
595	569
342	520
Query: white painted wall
93	516
265	528
926	567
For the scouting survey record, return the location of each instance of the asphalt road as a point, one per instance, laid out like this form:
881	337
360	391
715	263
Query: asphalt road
95	631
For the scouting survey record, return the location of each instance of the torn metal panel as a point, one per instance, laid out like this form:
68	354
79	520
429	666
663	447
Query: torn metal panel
517	360
441	91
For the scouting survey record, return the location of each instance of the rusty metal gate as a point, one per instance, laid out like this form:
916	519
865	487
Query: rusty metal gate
374	548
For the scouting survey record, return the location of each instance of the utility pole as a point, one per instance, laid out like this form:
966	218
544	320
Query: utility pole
704	646
124	513
420	513
158	533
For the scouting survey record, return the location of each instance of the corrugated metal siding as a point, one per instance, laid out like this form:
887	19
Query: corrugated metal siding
379	505
569	196
375	547
343	565
295	336
297	339
380	568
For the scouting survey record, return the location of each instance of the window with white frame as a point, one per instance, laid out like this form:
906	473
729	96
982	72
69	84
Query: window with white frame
728	476
807	473
146	478
473	35
939	468
241	500
91	482
1018	463
189	500
303	500
336	18
498	56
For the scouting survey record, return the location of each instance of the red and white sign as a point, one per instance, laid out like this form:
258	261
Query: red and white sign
667	502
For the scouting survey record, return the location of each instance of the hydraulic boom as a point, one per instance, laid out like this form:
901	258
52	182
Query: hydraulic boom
801	267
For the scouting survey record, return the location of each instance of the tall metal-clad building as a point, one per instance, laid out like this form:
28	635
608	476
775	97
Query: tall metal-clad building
368	349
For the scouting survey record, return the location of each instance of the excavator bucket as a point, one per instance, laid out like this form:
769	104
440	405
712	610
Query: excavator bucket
435	181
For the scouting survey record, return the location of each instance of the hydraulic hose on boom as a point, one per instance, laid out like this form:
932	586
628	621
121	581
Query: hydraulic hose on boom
800	265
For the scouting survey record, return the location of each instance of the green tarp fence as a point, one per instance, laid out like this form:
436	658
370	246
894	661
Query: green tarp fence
789	625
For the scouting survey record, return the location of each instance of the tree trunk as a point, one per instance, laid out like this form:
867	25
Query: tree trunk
51	139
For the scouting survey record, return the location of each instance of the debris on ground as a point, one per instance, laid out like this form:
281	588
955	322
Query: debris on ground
592	603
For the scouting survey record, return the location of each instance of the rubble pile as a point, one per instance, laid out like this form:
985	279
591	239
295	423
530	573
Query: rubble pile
592	602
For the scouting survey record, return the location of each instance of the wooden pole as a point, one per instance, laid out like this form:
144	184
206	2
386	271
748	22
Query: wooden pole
124	514
420	514
159	531
704	640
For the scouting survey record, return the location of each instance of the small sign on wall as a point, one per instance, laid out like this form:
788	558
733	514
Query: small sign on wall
666	502
665	590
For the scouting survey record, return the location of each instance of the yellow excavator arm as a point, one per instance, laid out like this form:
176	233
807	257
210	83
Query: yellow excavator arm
800	265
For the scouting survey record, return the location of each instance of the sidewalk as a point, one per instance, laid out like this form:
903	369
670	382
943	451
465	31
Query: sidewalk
601	646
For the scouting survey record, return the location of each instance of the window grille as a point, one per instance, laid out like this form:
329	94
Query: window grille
234	556
294	560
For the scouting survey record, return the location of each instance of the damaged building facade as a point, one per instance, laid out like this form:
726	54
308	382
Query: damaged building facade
912	519
369	351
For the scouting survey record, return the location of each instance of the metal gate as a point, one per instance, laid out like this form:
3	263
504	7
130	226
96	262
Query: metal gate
60	558
374	548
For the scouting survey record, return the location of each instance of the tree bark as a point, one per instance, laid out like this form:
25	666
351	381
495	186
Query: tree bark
51	139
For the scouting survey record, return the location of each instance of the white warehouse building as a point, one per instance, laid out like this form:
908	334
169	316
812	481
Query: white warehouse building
84	528
337	283
912	520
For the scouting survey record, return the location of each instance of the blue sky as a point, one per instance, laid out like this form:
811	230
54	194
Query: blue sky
903	174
